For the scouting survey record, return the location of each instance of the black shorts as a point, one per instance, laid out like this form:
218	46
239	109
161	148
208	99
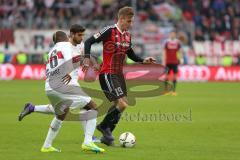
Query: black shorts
113	86
172	67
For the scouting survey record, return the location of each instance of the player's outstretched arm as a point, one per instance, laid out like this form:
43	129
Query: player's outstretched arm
149	60
96	38
131	54
135	58
87	46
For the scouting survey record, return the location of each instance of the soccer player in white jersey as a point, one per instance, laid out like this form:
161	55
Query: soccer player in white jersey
61	53
76	38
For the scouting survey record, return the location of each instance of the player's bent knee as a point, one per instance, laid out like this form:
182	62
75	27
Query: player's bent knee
62	117
91	105
122	104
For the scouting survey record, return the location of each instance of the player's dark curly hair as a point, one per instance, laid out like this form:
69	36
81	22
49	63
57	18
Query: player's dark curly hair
76	28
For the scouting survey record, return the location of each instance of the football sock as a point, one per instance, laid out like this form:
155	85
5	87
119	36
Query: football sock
174	85
52	132
111	118
84	125
44	109
89	130
165	85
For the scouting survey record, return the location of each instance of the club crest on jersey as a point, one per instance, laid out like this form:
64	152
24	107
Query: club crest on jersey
96	35
127	38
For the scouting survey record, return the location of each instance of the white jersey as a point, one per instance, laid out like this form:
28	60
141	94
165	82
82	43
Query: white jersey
58	55
80	48
77	51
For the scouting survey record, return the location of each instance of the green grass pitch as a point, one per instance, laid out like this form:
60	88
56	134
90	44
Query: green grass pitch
211	133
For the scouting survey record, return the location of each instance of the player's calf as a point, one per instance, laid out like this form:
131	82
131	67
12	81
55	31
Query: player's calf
110	121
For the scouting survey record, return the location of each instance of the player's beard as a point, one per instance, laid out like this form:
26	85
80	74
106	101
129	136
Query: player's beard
77	41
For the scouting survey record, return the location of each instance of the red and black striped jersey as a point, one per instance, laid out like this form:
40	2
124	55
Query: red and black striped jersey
116	44
172	46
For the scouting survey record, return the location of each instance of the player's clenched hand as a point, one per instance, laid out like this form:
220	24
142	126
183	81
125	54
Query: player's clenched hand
66	79
86	64
149	60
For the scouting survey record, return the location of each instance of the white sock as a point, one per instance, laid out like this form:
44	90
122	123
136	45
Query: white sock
83	119
84	126
89	130
44	109
52	132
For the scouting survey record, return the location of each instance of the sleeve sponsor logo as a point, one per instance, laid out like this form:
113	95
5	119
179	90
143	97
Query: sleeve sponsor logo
96	35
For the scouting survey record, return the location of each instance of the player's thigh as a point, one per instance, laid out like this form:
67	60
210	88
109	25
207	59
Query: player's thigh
118	84
79	101
105	85
170	68
175	68
53	97
59	102
123	84
120	87
112	87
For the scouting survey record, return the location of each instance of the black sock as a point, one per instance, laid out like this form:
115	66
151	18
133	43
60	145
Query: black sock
174	85
116	120
111	118
166	85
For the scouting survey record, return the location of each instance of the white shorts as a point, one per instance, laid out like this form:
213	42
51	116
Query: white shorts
62	101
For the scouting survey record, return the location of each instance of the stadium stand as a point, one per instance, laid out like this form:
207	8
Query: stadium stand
200	24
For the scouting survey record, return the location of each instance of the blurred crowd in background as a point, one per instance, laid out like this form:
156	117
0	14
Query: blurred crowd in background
195	20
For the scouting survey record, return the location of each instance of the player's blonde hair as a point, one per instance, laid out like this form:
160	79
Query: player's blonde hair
126	12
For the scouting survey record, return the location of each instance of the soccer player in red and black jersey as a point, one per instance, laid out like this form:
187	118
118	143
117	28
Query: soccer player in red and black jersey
116	45
172	47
